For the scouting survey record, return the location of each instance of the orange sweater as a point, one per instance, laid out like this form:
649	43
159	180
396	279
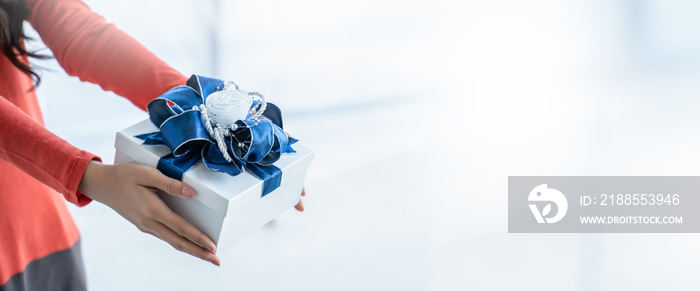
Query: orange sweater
34	163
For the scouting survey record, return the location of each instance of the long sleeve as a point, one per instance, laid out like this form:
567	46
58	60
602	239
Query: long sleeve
35	221
86	46
98	52
30	147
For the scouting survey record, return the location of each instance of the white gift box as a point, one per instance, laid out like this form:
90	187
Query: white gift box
226	208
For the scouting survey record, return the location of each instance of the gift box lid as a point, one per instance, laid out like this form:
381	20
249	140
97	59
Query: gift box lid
219	191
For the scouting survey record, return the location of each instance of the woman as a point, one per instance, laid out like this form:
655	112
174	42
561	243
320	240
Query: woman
39	242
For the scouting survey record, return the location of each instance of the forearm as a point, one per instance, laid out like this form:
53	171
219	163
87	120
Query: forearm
96	51
41	154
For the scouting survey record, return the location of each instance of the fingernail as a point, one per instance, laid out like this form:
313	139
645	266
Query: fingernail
187	192
216	262
212	248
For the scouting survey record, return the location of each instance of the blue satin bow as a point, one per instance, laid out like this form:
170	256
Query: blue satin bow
254	146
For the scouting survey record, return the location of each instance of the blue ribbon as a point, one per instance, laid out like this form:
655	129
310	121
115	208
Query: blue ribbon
183	130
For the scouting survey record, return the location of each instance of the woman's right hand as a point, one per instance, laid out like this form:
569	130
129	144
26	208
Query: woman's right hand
130	189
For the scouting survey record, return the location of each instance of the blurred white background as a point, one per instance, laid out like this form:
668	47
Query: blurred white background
418	112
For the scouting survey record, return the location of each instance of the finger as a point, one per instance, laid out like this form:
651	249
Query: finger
299	206
303	191
169	185
182	228
183	244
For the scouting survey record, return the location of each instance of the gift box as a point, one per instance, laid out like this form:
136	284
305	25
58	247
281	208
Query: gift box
229	146
226	208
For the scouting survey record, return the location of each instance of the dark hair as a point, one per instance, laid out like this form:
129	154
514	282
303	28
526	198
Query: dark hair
12	16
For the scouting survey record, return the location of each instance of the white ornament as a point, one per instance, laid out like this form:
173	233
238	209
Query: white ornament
227	106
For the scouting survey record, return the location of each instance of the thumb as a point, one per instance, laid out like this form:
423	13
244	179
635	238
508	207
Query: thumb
172	186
